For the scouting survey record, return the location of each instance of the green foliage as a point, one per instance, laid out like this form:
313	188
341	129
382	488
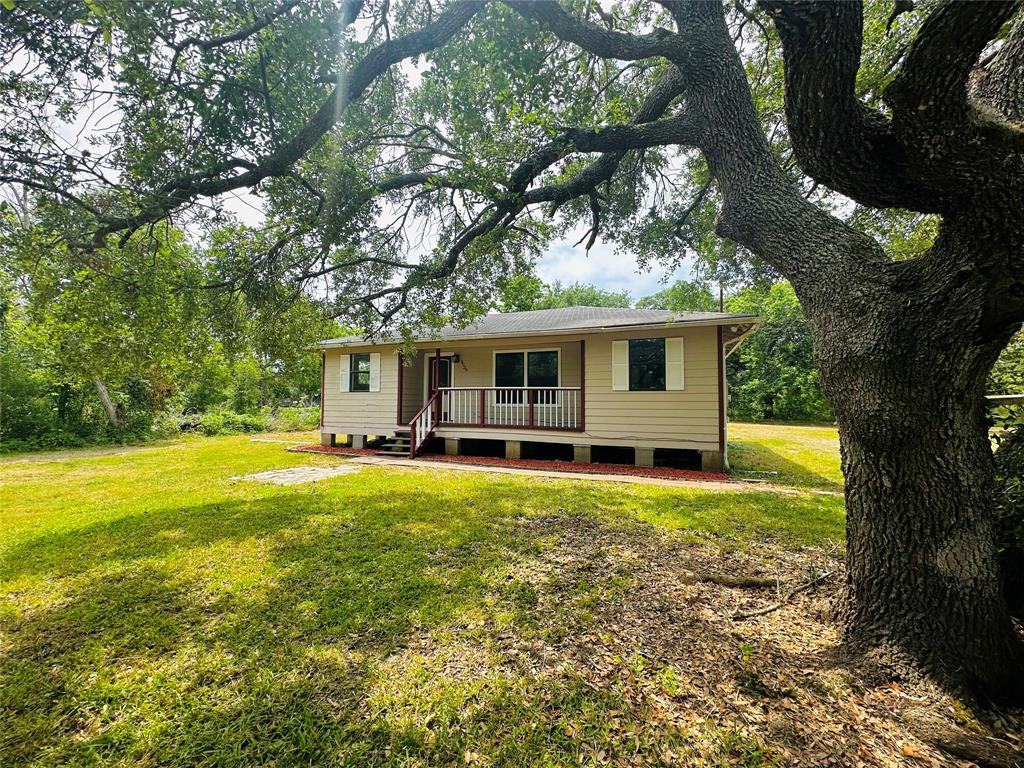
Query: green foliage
1008	495
295	419
137	319
525	292
1007	378
230	423
681	296
772	375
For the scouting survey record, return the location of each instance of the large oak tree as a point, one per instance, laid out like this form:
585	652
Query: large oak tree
582	111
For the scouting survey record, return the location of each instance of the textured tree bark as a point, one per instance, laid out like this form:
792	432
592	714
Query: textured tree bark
108	405
903	361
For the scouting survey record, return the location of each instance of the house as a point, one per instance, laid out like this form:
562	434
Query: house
576	381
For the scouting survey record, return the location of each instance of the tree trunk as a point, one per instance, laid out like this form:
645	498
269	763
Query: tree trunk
108	405
923	585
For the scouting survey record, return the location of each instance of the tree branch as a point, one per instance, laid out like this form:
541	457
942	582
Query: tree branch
183	190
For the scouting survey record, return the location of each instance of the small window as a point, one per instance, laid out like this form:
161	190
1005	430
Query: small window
359	373
646	365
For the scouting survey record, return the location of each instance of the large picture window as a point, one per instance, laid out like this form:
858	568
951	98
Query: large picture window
526	369
359	373
646	365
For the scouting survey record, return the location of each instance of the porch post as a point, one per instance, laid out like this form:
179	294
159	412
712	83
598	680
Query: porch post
401	373
583	385
437	368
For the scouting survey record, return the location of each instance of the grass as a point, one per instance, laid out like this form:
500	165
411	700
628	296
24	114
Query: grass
786	454
156	612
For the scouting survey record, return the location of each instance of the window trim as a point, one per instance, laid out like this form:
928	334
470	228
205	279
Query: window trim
555	401
352	372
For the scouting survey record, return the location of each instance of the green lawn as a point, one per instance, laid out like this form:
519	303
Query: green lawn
155	612
786	454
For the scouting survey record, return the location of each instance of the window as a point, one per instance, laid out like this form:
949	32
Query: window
646	365
359	373
526	369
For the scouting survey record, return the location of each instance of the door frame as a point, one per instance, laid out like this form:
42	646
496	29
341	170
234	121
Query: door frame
426	371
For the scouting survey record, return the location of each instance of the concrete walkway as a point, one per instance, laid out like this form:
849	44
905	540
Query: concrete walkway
710	485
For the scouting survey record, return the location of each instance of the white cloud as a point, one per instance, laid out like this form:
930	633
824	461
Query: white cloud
603	267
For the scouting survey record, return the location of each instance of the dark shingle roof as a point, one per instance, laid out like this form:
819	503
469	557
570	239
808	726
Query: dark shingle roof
546	321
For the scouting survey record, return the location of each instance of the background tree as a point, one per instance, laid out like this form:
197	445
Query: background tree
525	292
98	345
665	126
682	296
773	376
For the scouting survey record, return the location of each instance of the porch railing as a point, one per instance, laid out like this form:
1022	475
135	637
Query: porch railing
423	424
551	408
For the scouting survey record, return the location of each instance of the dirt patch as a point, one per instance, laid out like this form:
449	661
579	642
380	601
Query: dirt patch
636	613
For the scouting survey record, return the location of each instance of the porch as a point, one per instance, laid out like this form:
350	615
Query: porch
488	387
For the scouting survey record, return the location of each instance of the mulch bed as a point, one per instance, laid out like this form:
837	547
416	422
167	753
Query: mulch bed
335	451
661	473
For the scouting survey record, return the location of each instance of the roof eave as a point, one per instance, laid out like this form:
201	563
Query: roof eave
735	320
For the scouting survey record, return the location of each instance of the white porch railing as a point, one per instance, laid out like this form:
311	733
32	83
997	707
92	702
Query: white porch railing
514	407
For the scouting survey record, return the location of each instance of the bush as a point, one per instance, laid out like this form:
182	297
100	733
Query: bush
230	423
1009	509
165	425
295	419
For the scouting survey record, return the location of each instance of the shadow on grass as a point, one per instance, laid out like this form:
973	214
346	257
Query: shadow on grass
758	461
255	631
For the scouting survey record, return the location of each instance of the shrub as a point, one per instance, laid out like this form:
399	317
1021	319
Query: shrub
230	423
295	419
1009	509
165	425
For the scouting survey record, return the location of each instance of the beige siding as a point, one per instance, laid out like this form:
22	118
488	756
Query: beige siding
361	413
687	418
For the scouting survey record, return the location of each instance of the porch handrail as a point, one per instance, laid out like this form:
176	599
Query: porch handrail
446	389
550	408
423	424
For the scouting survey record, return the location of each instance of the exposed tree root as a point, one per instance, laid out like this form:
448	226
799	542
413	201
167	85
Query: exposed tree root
986	751
727	580
740	615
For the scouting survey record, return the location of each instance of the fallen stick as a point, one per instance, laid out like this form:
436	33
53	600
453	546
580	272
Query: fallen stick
727	580
785	599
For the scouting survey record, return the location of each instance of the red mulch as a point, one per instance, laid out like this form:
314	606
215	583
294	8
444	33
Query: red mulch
662	473
338	451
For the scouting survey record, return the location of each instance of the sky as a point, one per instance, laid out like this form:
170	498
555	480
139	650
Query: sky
603	267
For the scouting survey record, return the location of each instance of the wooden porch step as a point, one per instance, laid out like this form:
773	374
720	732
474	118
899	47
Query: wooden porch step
392	451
